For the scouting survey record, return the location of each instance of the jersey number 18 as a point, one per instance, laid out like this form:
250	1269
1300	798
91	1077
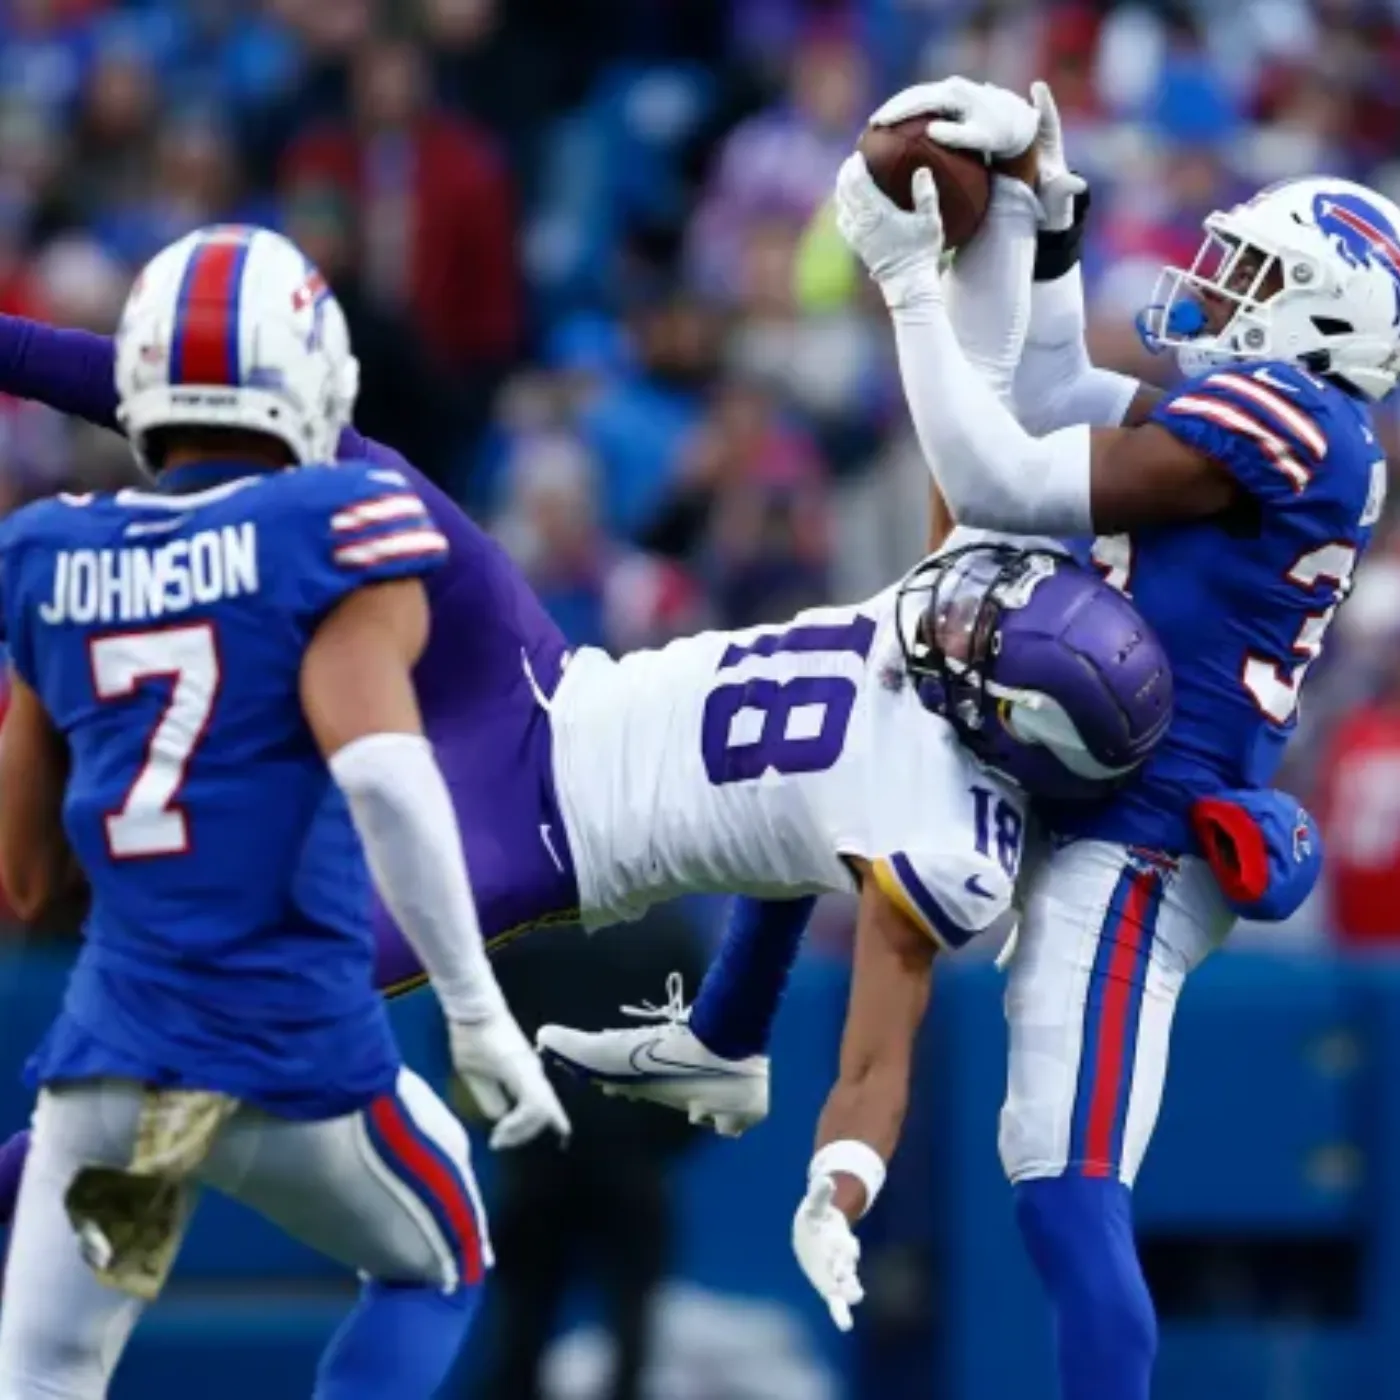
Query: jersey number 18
793	726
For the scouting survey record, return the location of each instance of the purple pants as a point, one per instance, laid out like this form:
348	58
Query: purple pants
489	637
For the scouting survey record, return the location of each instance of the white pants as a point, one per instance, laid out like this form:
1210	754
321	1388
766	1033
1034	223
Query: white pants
1106	939
388	1192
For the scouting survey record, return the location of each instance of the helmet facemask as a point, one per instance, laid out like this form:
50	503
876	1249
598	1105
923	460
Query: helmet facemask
949	613
1307	272
1222	308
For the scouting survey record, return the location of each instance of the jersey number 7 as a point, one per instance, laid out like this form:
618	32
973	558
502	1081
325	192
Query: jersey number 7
148	822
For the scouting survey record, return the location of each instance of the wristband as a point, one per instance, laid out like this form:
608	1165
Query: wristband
857	1159
1057	252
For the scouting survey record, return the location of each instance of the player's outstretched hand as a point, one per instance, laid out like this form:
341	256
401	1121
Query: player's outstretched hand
900	249
828	1251
968	116
505	1077
1058	184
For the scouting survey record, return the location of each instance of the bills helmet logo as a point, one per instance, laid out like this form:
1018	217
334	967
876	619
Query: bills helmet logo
313	293
1361	234
1302	841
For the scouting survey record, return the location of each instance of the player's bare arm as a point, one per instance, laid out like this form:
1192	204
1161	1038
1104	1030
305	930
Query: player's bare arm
35	862
356	677
864	1114
358	697
893	969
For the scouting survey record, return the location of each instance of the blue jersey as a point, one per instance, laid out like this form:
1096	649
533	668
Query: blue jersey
229	942
1241	603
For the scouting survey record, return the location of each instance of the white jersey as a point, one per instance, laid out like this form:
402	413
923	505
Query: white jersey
754	762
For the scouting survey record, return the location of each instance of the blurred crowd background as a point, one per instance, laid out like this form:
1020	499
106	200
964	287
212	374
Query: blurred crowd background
582	250
582	247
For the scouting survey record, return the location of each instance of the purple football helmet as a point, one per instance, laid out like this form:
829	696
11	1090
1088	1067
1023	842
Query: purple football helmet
1048	675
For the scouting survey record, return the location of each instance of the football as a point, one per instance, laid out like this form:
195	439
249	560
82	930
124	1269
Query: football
894	153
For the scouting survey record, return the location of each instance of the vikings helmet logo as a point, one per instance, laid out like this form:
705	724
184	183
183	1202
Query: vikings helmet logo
1361	234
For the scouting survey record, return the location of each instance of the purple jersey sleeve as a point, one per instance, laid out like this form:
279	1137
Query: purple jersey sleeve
71	371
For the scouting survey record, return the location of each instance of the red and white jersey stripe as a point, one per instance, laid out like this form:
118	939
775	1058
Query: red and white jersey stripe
1275	405
422	541
1227	415
398	505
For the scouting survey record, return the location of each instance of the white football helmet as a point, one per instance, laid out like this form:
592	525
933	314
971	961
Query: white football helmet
1312	270
233	327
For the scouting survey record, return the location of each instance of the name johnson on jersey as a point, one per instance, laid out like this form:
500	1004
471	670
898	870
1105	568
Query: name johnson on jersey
140	583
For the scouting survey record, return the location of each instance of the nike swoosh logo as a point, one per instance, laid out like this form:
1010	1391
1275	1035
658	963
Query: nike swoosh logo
547	837
975	886
645	1060
1281	384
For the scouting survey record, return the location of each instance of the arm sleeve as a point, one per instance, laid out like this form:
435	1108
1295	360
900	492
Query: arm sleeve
407	825
1056	384
71	371
989	286
993	474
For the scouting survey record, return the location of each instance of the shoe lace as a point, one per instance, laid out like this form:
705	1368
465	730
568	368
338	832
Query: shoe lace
675	1010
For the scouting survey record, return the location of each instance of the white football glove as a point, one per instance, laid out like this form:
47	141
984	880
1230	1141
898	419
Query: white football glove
506	1079
1058	184
901	250
969	116
828	1251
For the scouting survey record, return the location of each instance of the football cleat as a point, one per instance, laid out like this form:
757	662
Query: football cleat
664	1063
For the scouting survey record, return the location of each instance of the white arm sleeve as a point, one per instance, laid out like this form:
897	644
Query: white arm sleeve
988	286
1056	384
991	471
403	813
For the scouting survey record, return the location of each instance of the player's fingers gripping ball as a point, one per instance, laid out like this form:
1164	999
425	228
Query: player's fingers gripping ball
899	156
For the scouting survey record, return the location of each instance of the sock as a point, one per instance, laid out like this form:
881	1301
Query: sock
398	1343
12	1155
1079	1233
739	998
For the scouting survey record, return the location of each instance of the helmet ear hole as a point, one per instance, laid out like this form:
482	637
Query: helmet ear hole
1332	325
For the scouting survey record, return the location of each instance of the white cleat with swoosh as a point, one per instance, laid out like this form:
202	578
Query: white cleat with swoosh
664	1063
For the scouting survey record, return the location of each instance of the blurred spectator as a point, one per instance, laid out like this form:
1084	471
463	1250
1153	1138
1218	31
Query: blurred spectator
1359	811
784	160
749	504
638	418
601	594
116	125
330	32
828	366
80	285
405	398
437	218
189	180
492	71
